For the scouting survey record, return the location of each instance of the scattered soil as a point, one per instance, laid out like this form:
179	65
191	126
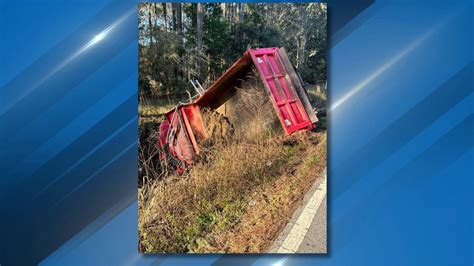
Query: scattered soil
218	127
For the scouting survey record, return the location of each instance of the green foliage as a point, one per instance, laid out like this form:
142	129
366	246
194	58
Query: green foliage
216	38
169	55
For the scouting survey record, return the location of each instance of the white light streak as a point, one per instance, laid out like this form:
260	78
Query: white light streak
99	37
95	40
392	61
281	262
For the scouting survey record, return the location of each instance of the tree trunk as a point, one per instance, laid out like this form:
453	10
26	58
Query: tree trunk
179	24
174	7
150	24
173	12
297	53
241	12
232	12
165	14
228	8
199	28
302	50
199	25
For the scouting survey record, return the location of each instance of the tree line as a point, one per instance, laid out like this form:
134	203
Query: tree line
183	41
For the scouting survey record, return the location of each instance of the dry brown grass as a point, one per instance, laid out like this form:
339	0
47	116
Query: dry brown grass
237	200
148	166
154	110
149	106
273	204
251	111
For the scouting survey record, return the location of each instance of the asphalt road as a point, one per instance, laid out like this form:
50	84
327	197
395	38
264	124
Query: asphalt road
315	240
306	232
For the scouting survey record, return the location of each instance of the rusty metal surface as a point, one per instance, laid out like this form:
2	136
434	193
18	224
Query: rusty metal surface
223	88
300	90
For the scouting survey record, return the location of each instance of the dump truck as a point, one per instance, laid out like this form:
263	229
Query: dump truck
282	90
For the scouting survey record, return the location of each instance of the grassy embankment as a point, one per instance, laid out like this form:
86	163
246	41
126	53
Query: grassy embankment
237	200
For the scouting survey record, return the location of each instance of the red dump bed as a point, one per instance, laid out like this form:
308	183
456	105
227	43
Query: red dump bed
183	127
293	116
181	131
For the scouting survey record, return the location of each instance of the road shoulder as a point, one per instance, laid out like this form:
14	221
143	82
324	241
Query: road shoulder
297	236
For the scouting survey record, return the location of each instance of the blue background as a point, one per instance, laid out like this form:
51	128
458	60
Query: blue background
400	136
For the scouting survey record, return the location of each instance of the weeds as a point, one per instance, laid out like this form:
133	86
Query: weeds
204	210
242	189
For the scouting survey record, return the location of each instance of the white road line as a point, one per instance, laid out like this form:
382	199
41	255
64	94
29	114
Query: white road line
297	234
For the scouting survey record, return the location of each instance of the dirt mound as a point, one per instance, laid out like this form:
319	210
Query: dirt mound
218	127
